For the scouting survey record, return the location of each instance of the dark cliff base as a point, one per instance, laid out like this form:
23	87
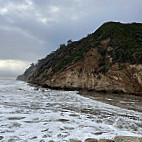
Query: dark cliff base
85	91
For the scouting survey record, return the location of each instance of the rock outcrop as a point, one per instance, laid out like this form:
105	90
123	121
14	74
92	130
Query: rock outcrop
91	140
109	60
116	139
127	139
105	140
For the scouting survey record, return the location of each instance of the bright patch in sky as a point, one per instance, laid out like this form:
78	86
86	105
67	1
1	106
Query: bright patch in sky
43	20
3	11
15	66
54	9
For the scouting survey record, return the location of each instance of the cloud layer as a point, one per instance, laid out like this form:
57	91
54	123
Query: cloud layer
10	68
31	29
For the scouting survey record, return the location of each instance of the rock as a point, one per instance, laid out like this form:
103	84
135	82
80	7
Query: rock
127	139
36	89
91	140
43	90
51	141
35	137
20	89
106	140
14	139
74	140
1	137
42	140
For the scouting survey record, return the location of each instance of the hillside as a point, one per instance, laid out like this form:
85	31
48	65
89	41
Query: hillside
107	60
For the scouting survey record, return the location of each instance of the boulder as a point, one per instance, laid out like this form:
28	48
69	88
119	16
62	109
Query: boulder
91	140
74	140
1	137
106	140
127	139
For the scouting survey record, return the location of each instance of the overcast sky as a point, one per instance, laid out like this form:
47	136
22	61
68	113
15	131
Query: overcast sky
31	29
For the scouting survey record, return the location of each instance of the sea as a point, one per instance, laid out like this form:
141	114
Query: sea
34	114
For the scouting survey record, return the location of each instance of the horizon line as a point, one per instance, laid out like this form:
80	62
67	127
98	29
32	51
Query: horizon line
7	77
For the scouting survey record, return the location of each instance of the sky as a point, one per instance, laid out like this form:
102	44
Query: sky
31	29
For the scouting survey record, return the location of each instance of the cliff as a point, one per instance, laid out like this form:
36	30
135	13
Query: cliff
108	60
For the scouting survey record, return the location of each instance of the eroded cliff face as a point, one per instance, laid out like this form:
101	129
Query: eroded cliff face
128	80
87	74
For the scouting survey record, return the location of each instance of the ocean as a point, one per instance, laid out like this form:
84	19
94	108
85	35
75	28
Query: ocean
28	114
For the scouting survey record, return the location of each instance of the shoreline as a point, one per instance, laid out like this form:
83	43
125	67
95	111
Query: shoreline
115	99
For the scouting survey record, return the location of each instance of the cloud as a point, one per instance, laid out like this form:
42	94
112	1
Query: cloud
54	9
16	45
31	29
12	67
3	11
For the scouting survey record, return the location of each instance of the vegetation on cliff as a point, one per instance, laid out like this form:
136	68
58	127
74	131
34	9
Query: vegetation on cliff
126	40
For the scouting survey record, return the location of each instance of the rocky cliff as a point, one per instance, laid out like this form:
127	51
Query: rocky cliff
108	60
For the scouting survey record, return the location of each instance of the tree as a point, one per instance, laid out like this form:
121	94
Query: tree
62	45
69	41
32	65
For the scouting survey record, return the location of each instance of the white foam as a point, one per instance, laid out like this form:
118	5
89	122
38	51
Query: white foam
33	115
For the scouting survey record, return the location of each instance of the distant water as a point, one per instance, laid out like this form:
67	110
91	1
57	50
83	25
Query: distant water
30	115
